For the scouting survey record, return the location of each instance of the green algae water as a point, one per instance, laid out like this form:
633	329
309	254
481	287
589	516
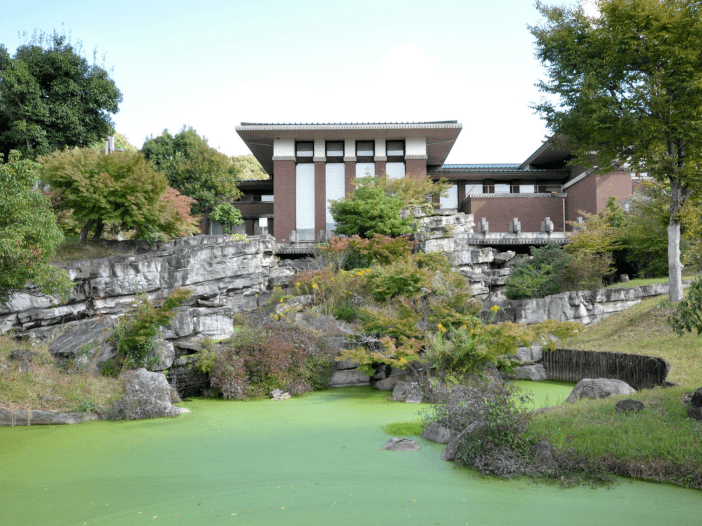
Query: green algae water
309	460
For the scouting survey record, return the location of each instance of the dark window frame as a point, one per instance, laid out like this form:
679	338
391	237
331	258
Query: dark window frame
304	158
396	158
334	158
365	158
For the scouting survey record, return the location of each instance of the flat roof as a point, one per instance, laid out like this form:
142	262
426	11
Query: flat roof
440	135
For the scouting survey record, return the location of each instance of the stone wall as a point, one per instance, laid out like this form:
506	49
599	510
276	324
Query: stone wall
226	276
581	306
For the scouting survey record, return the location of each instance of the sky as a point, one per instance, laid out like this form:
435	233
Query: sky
214	64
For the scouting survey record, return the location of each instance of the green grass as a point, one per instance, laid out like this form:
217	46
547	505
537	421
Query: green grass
643	329
412	428
659	443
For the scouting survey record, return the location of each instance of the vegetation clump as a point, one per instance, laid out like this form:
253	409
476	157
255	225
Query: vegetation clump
274	356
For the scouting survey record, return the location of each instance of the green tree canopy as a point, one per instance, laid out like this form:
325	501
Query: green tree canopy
369	210
51	97
193	168
248	168
121	191
627	84
28	232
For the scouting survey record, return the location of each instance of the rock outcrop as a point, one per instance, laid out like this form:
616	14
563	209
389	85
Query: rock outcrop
598	388
226	277
585	307
146	395
35	417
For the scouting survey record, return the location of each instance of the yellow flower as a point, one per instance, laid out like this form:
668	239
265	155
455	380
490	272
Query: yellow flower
297	284
463	327
359	273
314	285
281	300
402	360
276	318
494	309
441	328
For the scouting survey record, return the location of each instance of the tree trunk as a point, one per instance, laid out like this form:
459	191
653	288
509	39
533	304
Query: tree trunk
678	196
85	230
675	291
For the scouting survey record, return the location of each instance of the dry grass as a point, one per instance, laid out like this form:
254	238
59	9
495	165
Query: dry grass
643	329
46	386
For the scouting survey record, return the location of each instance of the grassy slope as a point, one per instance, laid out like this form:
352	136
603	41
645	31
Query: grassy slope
661	443
48	387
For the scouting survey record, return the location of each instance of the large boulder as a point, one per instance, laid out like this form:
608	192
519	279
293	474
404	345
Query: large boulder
628	405
437	433
349	377
146	395
533	353
543	457
598	388
530	372
86	337
409	392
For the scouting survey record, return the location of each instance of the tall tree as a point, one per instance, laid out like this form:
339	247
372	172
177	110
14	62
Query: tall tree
193	168
51	97
122	191
627	85
28	232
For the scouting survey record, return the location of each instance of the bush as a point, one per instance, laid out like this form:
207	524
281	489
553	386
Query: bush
275	356
401	278
537	277
499	416
134	333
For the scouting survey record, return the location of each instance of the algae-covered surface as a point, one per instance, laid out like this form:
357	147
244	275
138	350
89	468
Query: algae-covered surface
309	460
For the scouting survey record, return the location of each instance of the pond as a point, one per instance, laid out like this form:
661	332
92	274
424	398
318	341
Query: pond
309	460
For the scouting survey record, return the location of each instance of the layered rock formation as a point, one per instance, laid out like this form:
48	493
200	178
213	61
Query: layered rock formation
226	277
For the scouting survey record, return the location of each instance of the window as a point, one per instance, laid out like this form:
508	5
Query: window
365	151
304	201
335	188
488	188
502	188
527	189
365	169
549	188
335	151
267	198
304	152
395	170
514	189
472	188
395	151
451	199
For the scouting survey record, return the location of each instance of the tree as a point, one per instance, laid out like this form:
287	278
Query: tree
193	168
121	191
51	97
369	210
28	232
627	84
248	168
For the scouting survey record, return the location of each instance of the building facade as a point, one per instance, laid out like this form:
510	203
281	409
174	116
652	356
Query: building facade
311	165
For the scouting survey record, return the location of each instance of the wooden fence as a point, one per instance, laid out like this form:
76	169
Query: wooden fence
640	372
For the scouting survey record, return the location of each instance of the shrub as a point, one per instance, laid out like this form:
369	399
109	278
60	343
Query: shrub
134	333
273	356
382	250
584	271
537	277
499	415
401	278
687	316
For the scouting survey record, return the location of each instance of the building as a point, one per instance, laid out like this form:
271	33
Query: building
312	164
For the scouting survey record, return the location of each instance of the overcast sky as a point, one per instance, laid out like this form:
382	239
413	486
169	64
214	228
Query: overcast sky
213	64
